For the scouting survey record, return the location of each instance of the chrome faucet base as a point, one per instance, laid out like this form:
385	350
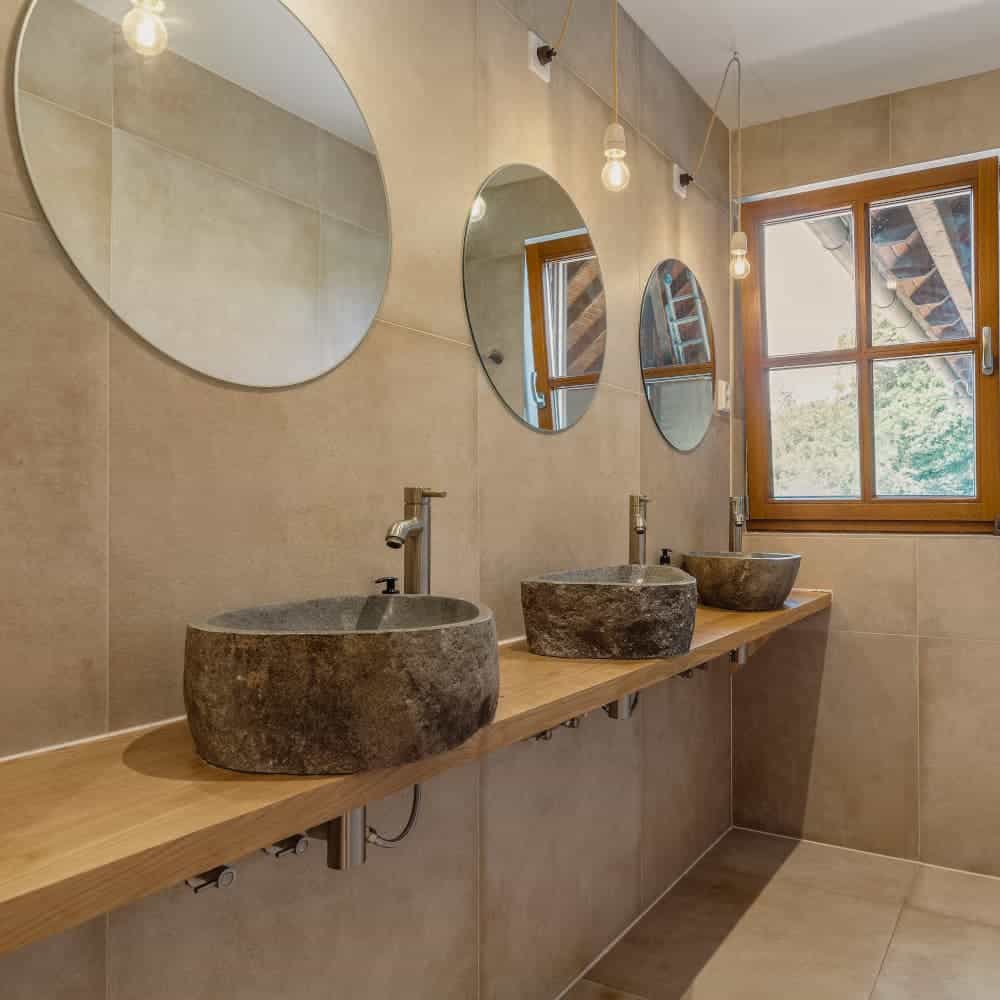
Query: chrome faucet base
637	529
413	535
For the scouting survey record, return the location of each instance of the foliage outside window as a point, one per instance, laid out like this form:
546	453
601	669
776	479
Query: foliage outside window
868	407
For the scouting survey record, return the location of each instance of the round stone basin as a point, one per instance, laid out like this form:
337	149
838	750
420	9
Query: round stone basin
744	581
615	612
340	685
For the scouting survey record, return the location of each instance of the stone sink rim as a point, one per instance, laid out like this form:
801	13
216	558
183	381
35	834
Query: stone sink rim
590	577
477	614
748	556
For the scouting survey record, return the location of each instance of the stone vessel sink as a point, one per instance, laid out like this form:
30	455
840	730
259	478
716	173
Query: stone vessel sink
618	612
743	581
340	685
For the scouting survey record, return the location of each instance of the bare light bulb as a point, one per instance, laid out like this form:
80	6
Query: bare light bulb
478	212
144	29
739	266
616	174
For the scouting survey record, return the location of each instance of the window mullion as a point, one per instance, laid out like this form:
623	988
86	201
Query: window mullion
866	396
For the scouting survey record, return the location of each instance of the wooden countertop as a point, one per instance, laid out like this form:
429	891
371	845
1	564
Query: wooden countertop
91	827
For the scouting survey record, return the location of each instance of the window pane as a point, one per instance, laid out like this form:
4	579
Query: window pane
576	320
925	426
569	405
922	275
814	433
809	301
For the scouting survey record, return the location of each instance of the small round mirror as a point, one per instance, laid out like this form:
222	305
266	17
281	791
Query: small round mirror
209	173
535	297
677	353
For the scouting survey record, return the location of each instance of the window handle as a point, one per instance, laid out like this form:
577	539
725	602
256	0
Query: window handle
988	350
540	400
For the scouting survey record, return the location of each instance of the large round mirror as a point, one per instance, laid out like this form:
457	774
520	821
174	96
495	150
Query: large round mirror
535	297
209	173
677	353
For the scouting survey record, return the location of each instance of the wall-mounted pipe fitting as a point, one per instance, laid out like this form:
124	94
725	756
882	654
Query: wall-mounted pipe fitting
739	657
573	723
215	878
624	708
296	845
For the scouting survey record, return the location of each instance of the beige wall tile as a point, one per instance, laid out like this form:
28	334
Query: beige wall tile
560	872
586	51
53	551
825	733
588	990
215	272
179	105
66	57
350	184
404	925
933	957
419	98
959	754
71	168
946	119
533	485
838	142
69	966
957	894
873	577
16	195
223	497
687	779
956	578
764	158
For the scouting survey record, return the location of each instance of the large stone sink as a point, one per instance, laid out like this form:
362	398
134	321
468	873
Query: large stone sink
340	685
617	612
743	581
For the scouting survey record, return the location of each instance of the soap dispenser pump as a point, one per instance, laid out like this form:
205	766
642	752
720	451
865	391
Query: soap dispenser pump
665	556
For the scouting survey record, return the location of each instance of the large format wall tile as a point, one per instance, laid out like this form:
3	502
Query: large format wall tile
53	548
66	57
417	91
956	580
404	925
16	195
223	497
69	966
873	578
560	874
71	163
350	184
551	502
686	773
959	754
825	740
213	268
179	105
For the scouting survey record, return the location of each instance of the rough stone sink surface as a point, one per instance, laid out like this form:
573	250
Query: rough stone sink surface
743	581
616	612
340	685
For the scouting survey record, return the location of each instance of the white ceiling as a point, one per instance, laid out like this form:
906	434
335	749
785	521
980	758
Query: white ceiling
262	48
804	55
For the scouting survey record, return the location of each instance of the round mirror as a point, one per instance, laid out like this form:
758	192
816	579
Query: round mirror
535	297
209	173
677	353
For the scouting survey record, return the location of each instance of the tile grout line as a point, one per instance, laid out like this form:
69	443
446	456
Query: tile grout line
888	947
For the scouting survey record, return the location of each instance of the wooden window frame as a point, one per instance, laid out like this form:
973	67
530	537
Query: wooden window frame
537	255
871	513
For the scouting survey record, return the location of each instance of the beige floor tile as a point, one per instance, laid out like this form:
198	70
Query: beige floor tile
940	958
825	740
715	937
560	849
957	894
959	754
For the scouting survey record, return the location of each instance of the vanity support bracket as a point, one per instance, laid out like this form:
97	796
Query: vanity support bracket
346	840
624	708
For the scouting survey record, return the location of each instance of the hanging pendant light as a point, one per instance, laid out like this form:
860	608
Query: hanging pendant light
616	174
144	29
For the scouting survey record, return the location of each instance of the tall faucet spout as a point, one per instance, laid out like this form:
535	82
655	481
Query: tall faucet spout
399	531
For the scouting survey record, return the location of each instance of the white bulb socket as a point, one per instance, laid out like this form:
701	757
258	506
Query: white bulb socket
616	174
739	247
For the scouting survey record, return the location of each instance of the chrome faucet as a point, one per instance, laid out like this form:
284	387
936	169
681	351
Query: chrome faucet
637	529
413	536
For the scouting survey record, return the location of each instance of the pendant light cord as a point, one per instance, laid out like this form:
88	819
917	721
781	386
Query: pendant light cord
614	52
735	60
565	27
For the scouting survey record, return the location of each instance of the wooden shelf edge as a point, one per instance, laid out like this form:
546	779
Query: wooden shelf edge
94	827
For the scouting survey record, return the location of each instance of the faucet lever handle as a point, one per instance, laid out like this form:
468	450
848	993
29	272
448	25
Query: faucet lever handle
434	494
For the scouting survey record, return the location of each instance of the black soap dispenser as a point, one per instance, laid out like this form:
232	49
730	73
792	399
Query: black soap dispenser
665	556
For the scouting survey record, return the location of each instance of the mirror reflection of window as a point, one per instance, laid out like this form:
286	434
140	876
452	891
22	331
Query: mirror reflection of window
676	354
535	297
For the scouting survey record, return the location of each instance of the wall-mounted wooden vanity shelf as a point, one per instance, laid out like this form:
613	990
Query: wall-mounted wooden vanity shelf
90	828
